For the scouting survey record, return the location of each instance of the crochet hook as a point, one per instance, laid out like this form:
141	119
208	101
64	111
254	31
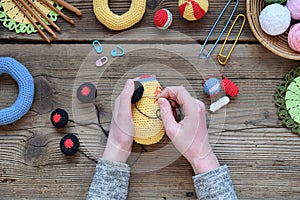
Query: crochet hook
37	18
32	21
65	17
222	59
43	15
213	28
69	7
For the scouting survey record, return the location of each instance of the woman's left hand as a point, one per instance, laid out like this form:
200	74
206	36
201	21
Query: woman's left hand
120	139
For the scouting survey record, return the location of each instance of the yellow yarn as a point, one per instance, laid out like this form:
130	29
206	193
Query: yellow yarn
119	22
13	12
147	131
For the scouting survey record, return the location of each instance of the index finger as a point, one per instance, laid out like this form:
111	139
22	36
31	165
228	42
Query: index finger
181	96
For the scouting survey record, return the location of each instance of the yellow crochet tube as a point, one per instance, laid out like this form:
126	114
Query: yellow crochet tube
119	22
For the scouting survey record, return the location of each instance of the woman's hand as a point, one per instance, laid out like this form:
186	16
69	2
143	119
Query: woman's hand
190	135
119	143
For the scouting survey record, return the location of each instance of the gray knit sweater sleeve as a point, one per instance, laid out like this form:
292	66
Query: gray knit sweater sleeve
215	185
110	181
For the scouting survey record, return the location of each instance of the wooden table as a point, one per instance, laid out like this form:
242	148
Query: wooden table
262	155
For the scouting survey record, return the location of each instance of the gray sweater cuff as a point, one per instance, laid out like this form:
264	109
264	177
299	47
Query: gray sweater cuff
215	184
110	181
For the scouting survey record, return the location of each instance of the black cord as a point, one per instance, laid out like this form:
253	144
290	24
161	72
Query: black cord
157	113
99	121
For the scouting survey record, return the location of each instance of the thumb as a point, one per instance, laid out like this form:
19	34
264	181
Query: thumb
171	126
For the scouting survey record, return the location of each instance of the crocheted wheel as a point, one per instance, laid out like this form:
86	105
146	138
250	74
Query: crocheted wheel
287	98
13	19
119	22
26	90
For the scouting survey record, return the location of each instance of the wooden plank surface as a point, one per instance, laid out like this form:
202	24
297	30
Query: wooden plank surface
262	155
87	28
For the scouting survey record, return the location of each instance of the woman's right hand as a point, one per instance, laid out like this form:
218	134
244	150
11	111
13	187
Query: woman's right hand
190	135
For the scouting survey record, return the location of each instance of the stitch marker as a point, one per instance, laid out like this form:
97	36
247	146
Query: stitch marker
114	52
101	61
97	46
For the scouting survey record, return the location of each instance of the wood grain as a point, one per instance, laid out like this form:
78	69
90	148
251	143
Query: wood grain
262	155
87	28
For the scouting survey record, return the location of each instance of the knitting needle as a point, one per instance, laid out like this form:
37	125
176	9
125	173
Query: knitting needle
69	7
65	17
43	15
32	21
37	18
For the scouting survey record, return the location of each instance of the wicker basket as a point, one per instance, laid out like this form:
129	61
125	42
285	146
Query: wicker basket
276	44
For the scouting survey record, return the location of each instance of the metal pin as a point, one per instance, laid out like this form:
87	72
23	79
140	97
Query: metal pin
222	59
213	28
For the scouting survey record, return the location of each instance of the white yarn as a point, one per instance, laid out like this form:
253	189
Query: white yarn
219	104
275	19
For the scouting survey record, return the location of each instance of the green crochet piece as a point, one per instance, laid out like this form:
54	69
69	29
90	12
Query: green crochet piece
275	1
20	27
287	100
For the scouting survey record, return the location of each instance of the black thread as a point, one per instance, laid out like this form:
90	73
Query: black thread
157	113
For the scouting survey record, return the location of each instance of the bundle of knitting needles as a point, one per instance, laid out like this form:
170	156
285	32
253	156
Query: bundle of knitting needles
34	14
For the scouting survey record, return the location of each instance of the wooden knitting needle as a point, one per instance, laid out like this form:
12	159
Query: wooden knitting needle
65	17
37	18
32	21
43	15
69	7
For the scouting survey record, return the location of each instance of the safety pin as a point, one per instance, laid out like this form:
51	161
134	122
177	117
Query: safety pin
213	28
220	56
114	52
97	46
101	61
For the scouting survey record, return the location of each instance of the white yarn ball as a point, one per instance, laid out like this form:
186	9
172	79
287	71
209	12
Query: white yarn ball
275	19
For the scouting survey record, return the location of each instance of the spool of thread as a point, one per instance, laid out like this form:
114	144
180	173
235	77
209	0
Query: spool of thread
212	86
294	37
275	19
192	10
86	93
59	118
69	144
275	1
163	19
230	88
294	7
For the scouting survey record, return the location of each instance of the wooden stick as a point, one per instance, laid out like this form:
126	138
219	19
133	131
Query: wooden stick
43	15
37	18
65	17
32	21
69	7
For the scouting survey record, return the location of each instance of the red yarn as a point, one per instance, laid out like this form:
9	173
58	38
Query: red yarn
182	7
85	91
161	19
230	88
68	143
198	11
56	118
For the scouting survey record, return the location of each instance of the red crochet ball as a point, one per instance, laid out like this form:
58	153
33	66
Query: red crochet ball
163	19
230	88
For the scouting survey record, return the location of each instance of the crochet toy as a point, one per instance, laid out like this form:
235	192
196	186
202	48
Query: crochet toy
212	86
287	100
26	90
148	127
163	19
69	144
59	118
192	9
119	22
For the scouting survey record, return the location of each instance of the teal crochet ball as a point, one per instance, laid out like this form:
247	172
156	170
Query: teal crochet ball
275	1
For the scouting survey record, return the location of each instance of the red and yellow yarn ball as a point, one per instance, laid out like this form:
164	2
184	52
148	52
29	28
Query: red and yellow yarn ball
192	10
163	19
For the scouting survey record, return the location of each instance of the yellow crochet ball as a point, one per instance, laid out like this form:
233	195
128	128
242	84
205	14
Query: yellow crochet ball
192	9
